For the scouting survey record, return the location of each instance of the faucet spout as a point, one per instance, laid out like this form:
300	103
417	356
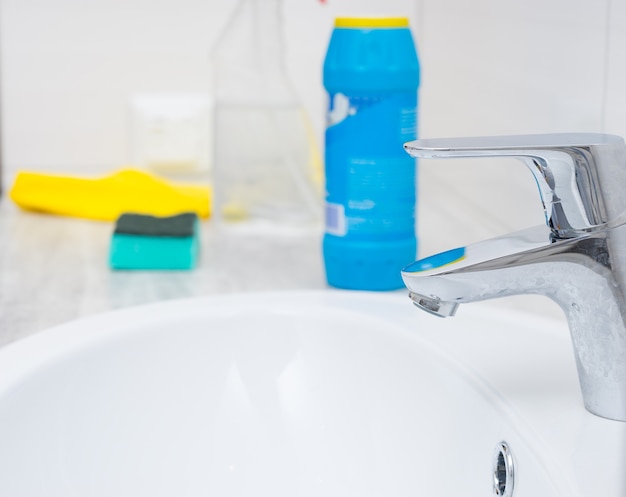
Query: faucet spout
480	271
582	267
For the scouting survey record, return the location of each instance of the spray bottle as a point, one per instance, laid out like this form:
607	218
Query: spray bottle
264	163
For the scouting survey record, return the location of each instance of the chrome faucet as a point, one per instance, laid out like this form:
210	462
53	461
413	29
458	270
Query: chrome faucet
578	259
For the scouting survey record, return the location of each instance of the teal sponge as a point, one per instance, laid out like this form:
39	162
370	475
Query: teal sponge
148	242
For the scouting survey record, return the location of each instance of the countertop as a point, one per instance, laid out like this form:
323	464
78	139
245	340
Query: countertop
54	269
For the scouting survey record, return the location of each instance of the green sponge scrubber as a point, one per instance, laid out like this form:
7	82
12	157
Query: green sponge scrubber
148	242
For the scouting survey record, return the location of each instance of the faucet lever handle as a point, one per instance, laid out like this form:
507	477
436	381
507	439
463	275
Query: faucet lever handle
581	176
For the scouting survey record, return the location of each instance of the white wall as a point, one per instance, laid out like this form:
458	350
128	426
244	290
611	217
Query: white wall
69	68
505	67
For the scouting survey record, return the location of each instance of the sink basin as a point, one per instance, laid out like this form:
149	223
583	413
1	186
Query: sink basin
300	394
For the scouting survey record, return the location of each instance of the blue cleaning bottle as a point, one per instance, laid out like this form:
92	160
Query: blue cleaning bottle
371	75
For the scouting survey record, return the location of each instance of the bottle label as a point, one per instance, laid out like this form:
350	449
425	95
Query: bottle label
370	179
335	219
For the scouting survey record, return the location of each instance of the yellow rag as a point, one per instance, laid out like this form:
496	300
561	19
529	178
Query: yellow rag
106	198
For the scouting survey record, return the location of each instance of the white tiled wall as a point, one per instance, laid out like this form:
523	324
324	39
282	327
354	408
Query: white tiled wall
521	66
615	99
507	67
69	68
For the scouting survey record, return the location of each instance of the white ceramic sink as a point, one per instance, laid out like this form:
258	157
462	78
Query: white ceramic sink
299	394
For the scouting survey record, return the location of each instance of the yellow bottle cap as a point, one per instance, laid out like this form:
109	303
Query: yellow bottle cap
371	22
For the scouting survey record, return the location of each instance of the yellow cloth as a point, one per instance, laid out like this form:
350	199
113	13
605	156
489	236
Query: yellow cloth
107	198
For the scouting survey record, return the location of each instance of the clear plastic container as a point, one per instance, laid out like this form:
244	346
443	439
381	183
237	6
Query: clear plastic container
265	168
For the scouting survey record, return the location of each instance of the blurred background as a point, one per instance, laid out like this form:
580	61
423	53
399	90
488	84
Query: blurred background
92	85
